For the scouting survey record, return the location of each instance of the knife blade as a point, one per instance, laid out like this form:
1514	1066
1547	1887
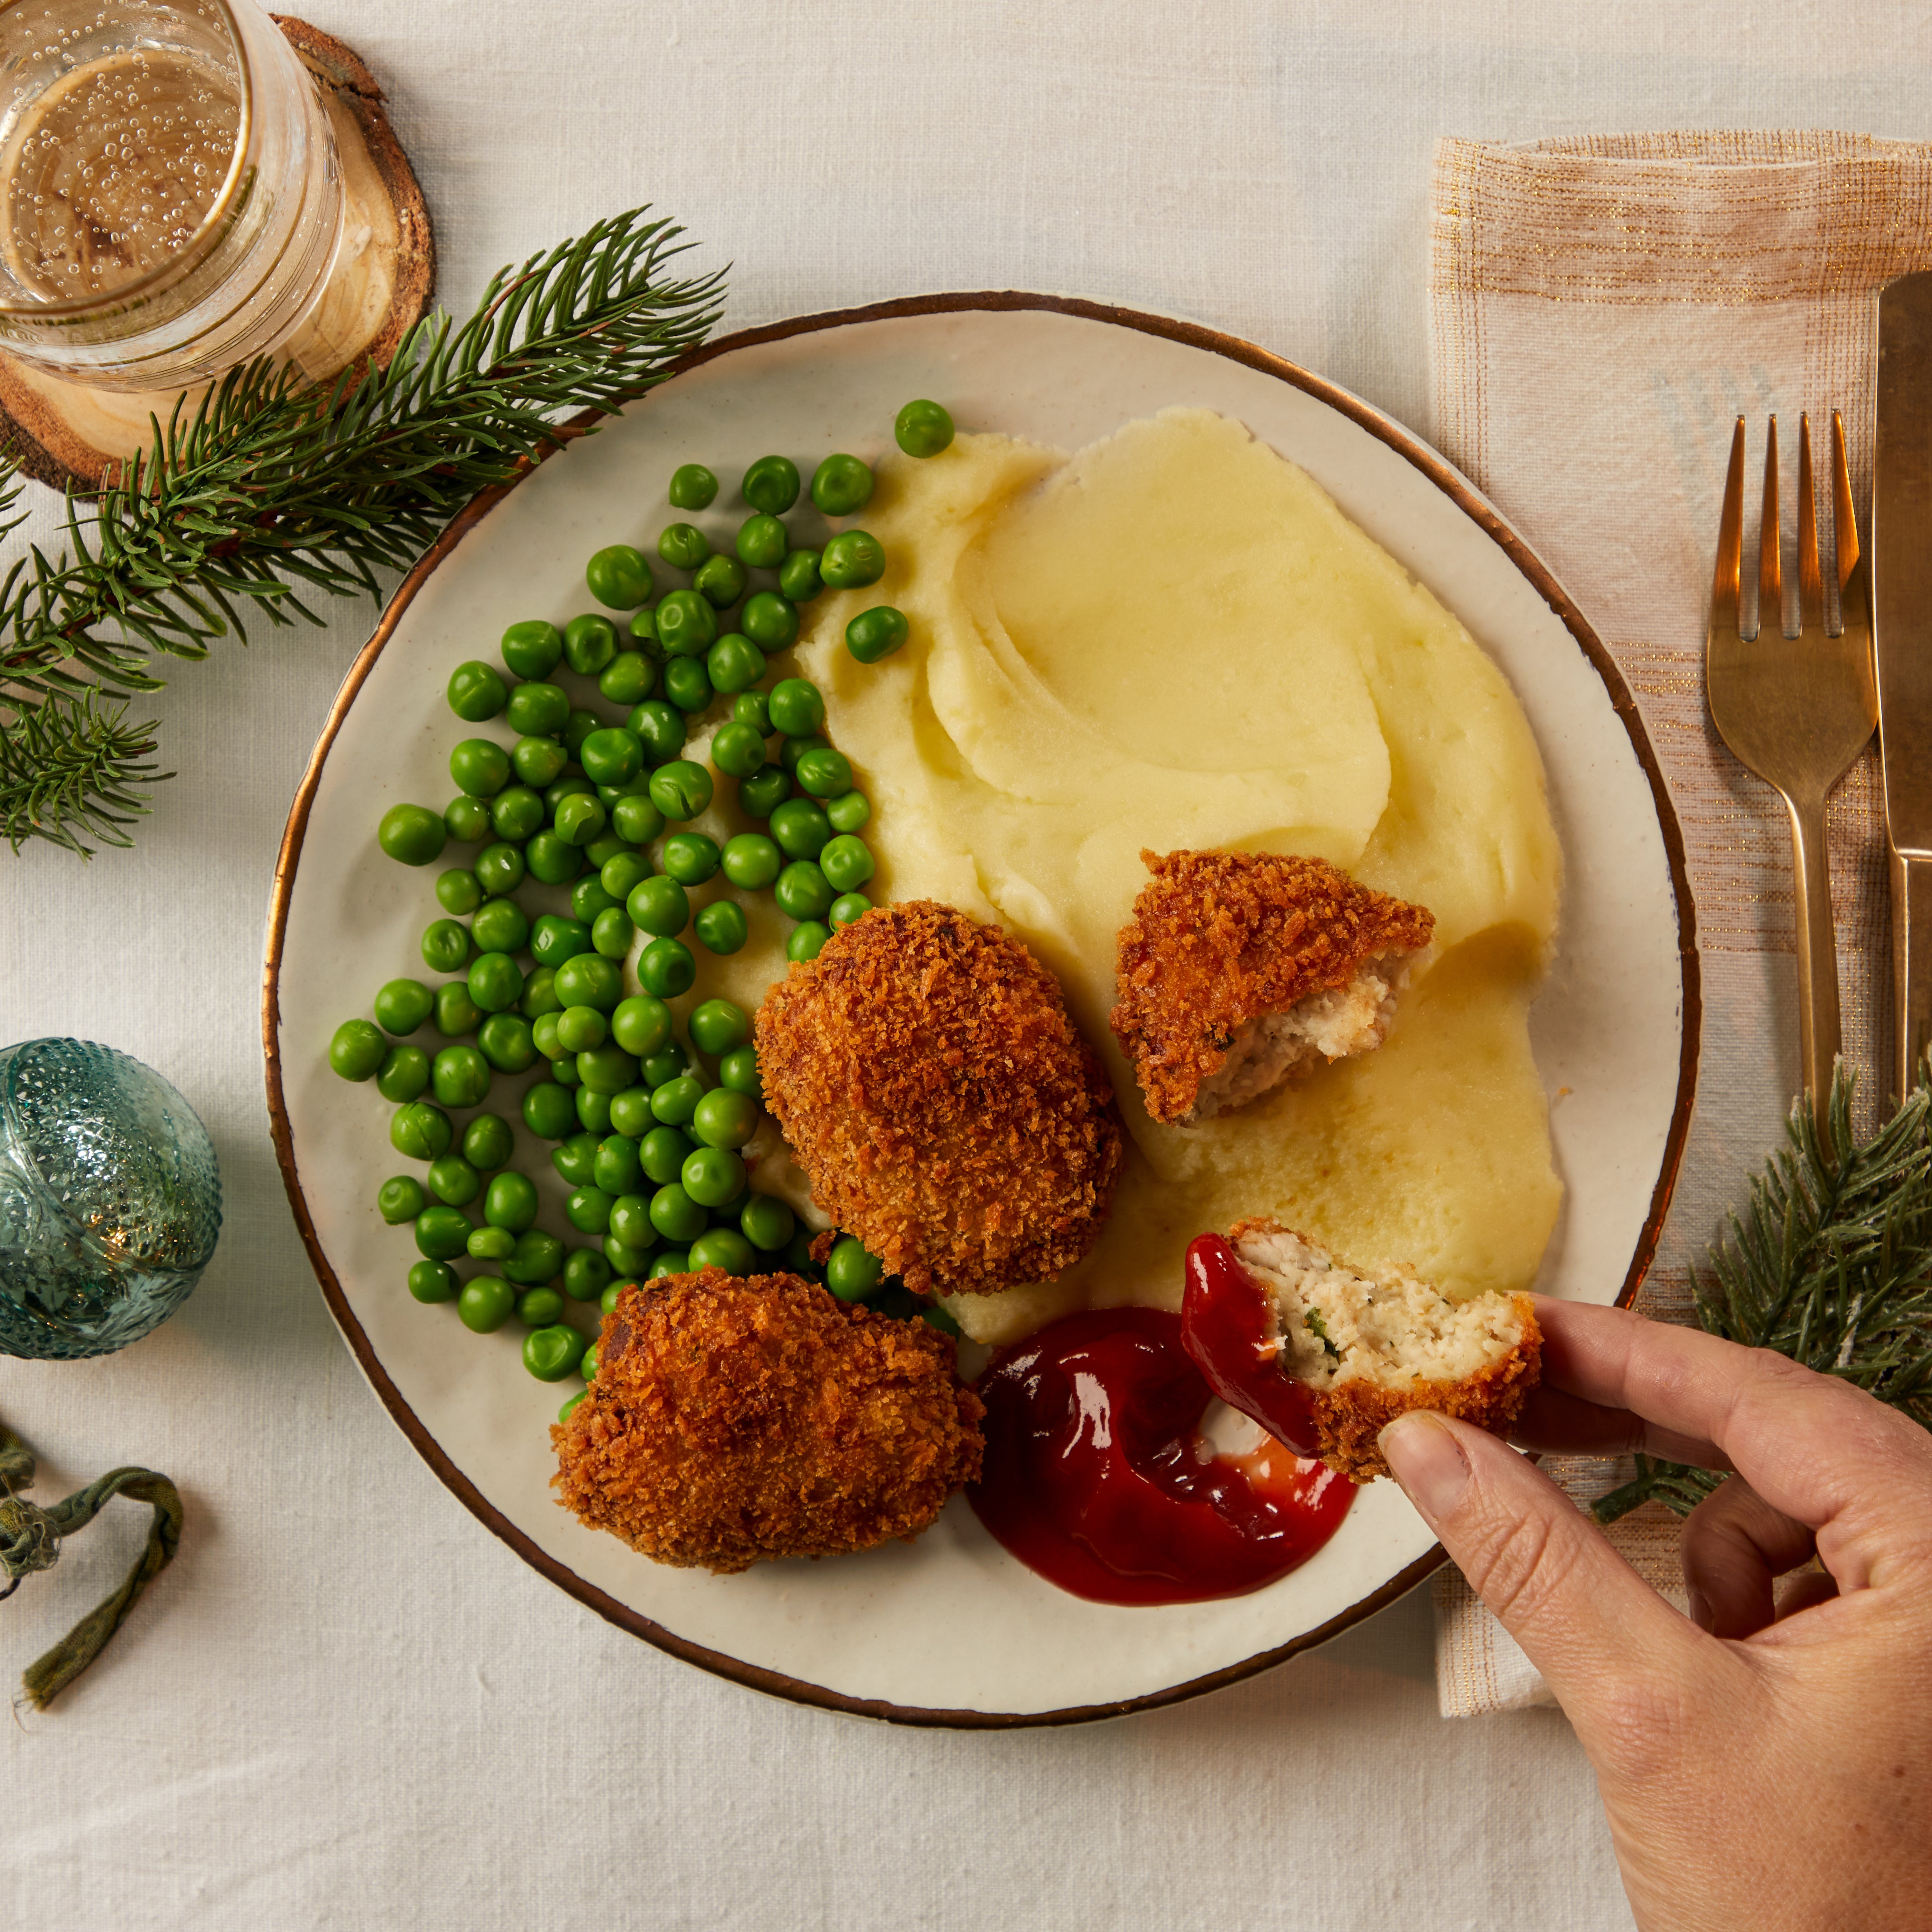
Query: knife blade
1901	587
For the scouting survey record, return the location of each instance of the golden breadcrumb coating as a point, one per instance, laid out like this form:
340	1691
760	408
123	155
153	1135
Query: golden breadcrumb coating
1349	1415
732	1420
1219	940
926	1076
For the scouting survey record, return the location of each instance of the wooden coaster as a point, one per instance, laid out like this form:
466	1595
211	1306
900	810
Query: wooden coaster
74	434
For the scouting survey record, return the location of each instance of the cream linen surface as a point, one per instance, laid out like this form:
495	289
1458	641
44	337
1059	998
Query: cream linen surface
347	1705
1602	309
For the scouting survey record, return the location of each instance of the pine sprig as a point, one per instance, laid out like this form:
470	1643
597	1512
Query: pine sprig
1830	1263
270	497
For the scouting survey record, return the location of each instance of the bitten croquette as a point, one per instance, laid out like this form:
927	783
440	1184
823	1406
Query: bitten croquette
1240	970
925	1072
732	1420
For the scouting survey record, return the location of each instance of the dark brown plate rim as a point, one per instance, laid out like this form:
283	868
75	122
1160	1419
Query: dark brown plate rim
1446	479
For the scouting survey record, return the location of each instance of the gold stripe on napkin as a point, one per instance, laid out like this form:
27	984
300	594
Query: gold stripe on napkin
1602	309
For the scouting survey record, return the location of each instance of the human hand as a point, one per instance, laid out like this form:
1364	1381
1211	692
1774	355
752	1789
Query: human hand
1767	1765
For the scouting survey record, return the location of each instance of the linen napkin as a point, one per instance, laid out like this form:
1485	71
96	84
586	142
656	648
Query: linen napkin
1602	309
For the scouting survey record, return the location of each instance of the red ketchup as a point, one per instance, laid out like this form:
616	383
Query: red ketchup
1224	1326
1097	1478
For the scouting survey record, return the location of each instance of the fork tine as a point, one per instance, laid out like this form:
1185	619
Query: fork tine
1770	543
1844	520
1810	583
1730	542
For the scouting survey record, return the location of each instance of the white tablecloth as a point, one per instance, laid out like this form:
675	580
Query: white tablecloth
346	1704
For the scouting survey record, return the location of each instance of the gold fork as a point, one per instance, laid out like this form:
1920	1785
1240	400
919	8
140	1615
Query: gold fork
1797	711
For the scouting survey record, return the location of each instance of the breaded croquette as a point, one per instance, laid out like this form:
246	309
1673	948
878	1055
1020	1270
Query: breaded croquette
1370	1344
1239	970
732	1420
926	1076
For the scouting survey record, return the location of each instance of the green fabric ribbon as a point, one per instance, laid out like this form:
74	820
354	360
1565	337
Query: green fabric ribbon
30	1539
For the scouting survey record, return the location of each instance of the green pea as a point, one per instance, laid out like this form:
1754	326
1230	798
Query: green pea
659	906
600	851
549	1111
456	1014
606	1070
588	979
718	1025
532	649
762	543
442	1233
631	1113
587	1367
643	628
454	1181
666	968
563	1071
487	1141
537	710
692	487
676	1100
459	1077
357	1049
761	794
587	899
570	1406
666	1064
580	819
547	1034
824	773
457	890
690	858
712	1175
850	1272
466	819
687	624
640	1024
413	834
807	941
750	707
577	727
496	982
490	1244
852	560
576	1160
433	1281
421	1131
739	1071
798	1256
799	579
631	1224
723	1248
750	861
404	1074
480	766
850	811
725	1119
516	812
590	642
847	909
734	664
617	576
841	486
673	1261
487	1302
498	870
627	679
722	929
581	1028
612	756
797	707
720	580
662	1153
876	634
402	1199
687	684
766	1222
537	1259
538	762
771	485
510	1202
403	1005
538	1307
790	750
660	727
611	933
846	863
923	428
553	861
800	829
618	1169
552	1352
683	546
675	1216
586	1274
626	1258
769	620
501	926
637	821
681	790
476	691
554	939
593	1109
506	1042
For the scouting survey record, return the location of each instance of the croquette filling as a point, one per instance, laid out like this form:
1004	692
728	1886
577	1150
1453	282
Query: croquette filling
1332	1024
1335	1324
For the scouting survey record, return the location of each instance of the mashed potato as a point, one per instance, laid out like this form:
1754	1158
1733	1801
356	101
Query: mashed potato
1176	639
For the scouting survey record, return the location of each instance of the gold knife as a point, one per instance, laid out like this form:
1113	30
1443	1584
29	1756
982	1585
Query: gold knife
1901	586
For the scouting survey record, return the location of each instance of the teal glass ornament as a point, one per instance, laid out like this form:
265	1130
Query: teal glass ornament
110	1203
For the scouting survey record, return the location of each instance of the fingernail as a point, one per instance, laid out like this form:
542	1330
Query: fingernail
1428	1461
1698	1606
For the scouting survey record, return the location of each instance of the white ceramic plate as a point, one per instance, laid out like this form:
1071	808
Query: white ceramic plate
950	1630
